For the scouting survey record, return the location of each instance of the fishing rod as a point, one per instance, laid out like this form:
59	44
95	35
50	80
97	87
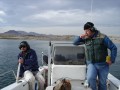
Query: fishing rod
91	9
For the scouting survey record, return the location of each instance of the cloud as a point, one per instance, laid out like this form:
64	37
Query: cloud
2	20
59	13
2	13
31	7
108	17
59	17
74	17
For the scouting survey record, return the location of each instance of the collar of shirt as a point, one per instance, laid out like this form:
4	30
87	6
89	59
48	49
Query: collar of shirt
95	34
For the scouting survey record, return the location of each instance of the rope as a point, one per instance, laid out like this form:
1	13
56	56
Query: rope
8	72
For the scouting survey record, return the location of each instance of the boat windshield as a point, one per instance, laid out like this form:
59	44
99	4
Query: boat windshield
69	55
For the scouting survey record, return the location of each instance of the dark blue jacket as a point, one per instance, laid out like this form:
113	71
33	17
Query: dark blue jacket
30	61
107	42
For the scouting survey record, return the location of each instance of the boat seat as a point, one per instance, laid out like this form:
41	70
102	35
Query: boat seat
72	72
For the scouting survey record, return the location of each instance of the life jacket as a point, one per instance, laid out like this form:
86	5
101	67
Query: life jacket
95	48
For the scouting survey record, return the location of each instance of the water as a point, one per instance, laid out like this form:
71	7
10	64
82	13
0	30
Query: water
8	58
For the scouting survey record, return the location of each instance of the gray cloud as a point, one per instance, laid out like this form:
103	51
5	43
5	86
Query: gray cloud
46	13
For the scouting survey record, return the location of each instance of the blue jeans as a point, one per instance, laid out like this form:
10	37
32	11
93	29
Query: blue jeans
99	70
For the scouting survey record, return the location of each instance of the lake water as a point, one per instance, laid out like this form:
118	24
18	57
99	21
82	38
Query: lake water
8	58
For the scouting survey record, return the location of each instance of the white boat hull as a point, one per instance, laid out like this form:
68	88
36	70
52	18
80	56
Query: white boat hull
114	84
22	85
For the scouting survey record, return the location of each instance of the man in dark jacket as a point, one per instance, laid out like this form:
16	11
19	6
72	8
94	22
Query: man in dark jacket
29	66
96	48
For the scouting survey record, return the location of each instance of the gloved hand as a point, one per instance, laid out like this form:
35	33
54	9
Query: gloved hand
108	60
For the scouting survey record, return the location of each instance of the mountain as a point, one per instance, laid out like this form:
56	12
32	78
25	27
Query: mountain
23	32
33	33
13	32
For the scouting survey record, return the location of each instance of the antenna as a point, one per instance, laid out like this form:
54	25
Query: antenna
91	9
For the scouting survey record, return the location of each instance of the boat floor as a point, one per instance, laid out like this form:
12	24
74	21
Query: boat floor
74	86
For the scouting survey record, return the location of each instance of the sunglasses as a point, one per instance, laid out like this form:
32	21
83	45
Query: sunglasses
22	46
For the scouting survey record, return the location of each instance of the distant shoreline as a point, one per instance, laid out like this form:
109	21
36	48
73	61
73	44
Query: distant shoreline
46	37
115	39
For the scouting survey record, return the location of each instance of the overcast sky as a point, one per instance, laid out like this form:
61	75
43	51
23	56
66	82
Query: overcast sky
59	16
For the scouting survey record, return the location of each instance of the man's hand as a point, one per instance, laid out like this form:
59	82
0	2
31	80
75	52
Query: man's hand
109	62
83	36
21	60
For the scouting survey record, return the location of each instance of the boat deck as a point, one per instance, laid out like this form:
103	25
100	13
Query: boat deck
77	85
